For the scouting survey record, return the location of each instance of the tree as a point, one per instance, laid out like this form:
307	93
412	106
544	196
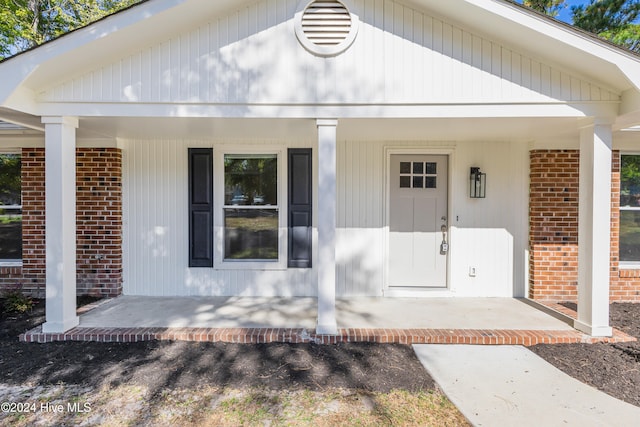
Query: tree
550	7
28	23
612	20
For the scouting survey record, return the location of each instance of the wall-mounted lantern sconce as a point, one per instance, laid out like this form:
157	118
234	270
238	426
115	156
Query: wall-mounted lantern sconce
477	184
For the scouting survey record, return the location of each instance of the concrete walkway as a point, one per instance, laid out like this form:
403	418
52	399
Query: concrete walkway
511	386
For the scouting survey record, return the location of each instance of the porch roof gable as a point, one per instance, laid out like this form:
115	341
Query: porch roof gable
598	71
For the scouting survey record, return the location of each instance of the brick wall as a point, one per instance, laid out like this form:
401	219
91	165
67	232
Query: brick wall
99	223
553	229
32	273
553	225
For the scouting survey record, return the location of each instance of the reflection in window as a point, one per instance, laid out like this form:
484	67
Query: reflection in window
10	208
630	208
630	235
251	234
251	207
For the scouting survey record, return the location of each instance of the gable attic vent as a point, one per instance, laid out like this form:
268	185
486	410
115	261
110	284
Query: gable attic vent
325	28
326	23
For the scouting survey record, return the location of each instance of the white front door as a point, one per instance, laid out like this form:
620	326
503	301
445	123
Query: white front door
418	222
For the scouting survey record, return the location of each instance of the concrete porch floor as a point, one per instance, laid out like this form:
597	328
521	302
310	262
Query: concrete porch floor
370	313
261	320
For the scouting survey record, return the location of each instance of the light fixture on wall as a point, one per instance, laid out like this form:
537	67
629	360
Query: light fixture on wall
477	184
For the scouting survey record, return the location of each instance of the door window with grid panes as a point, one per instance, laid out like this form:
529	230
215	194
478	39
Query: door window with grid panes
418	174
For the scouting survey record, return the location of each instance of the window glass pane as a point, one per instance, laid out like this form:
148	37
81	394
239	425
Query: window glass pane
10	234
251	234
250	179
405	167
432	168
10	180
630	181
10	207
418	167
430	182
418	182
405	182
629	235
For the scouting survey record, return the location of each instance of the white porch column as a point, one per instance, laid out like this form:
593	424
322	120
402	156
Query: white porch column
594	230
60	221
326	266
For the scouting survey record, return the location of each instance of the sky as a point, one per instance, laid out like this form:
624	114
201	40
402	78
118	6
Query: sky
565	13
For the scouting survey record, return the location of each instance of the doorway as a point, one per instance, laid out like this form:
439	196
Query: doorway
418	221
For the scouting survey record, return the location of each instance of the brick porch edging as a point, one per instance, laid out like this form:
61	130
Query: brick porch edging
296	335
301	335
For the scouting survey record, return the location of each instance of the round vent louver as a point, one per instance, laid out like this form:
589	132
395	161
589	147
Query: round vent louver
325	28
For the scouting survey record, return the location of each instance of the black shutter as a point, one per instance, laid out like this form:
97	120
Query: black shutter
300	207
200	207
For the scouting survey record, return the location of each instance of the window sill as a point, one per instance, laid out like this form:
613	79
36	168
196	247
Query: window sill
250	265
628	265
10	264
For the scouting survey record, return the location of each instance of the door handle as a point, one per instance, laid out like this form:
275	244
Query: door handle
444	246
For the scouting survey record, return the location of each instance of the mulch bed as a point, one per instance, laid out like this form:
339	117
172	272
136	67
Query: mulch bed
161	365
612	368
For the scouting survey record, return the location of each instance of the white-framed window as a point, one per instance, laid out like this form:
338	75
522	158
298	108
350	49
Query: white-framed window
629	243
250	209
10	209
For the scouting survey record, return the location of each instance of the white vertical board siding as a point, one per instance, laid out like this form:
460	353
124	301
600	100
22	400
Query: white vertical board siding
155	189
490	234
360	252
400	55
